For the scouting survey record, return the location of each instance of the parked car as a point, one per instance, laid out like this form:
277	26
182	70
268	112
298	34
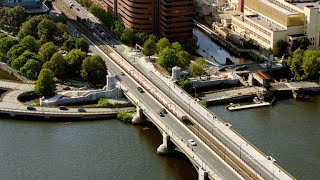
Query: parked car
31	108
63	108
122	73
164	111
81	110
191	141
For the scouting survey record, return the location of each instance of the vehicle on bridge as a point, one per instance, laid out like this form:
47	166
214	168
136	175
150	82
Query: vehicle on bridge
191	141
140	90
31	108
63	108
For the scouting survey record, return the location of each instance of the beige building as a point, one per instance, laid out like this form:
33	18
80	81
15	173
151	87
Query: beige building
268	21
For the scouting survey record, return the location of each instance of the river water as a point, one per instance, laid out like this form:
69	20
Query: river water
289	131
105	149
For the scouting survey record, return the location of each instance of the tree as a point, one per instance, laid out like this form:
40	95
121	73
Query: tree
31	43
2	35
22	59
94	69
57	65
14	52
60	33
198	67
153	37
282	48
301	43
12	18
176	46
6	43
46	51
118	28
183	59
295	64
30	27
45	85
185	84
82	44
70	43
167	58
74	59
46	30
127	36
149	48
311	63
140	38
189	45
31	69
163	43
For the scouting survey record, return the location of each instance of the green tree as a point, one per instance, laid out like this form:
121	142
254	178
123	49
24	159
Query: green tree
189	45
198	67
30	27
163	43
15	51
149	48
127	36
185	84
2	35
82	44
61	33
45	85
46	30
22	59
31	69
70	43
94	69
176	46
311	63
183	59
12	18
153	37
74	59
118	28
6	43
295	64
301	43
167	58
140	38
46	51
31	43
57	65
282	48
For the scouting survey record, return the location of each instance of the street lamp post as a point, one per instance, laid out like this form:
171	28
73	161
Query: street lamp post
195	91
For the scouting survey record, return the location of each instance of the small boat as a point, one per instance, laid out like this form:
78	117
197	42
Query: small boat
233	105
256	100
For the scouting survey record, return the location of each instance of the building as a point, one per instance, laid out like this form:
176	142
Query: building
166	18
269	21
31	6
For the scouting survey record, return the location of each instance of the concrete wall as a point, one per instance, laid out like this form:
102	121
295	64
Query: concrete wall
87	97
201	84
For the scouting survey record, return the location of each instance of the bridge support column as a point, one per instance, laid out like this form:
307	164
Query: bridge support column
138	117
166	146
203	175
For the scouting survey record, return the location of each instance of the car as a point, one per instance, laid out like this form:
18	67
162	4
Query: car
31	108
241	68
63	108
161	114
122	73
221	68
164	111
81	110
140	89
77	9
191	141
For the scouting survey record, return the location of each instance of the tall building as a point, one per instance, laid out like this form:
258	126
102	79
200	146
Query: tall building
166	18
31	6
269	21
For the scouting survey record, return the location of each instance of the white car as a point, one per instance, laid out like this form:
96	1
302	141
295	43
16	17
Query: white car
191	141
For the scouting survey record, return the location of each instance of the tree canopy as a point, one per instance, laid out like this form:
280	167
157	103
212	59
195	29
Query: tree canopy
198	67
57	64
162	44
31	69
93	69
12	18
45	85
82	44
167	58
31	43
46	51
149	47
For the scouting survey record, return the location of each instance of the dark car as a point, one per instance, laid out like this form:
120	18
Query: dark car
140	89
81	110
63	108
161	114
31	108
122	73
164	111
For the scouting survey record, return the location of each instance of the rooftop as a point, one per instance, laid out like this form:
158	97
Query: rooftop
263	22
277	7
309	4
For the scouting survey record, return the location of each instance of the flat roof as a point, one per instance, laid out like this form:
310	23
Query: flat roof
263	22
309	4
278	8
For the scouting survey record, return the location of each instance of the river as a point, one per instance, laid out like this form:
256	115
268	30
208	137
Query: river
104	149
289	131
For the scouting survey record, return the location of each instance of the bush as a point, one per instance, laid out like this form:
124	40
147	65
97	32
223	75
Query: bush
203	103
124	116
104	103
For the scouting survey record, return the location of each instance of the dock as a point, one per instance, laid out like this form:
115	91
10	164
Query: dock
235	107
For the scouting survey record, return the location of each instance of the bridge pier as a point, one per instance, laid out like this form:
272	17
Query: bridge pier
138	117
202	174
166	146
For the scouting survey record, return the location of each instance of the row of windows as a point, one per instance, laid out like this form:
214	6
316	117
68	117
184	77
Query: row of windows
257	27
255	34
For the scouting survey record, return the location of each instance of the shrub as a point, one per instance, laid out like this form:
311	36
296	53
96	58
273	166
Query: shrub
124	116
104	103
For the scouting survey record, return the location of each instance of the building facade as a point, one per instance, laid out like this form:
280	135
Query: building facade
269	21
166	18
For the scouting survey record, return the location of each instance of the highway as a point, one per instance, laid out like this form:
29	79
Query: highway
212	132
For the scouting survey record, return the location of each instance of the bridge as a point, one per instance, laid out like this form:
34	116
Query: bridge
220	153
